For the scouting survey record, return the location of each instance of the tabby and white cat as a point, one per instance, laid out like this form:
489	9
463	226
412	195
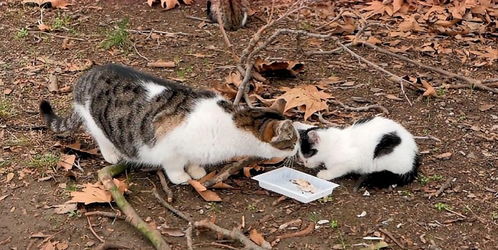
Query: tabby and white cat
138	118
379	149
233	13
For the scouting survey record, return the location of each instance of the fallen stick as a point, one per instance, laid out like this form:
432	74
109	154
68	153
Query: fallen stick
58	36
105	176
390	236
231	169
455	213
170	207
365	108
309	229
164	184
233	234
158	32
429	137
188	236
105	214
473	82
392	77
93	231
443	187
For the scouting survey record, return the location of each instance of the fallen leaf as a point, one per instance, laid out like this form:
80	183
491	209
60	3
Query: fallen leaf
409	24
96	193
429	90
209	195
9	177
62	245
174	232
222	185
66	162
65	208
278	68
258	238
79	66
200	55
207	177
486	107
444	156
7	91
373	40
161	64
309	96
52	83
376	246
308	230
393	97
44	27
49	246
197	185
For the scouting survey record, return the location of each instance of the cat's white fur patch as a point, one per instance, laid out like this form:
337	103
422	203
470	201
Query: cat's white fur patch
152	89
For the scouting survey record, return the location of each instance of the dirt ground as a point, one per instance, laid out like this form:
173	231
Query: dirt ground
464	216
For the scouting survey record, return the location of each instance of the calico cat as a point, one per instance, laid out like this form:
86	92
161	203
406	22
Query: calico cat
381	150
138	118
233	12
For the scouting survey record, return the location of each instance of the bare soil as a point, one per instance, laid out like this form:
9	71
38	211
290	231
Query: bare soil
411	217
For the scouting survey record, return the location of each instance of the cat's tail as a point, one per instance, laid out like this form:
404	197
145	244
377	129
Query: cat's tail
56	123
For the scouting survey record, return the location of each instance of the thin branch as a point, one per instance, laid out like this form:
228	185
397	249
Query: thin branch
138	53
390	236
200	19
233	234
188	236
473	82
164	184
147	32
93	232
429	137
393	77
105	214
443	187
365	108
58	36
170	207
491	80
231	169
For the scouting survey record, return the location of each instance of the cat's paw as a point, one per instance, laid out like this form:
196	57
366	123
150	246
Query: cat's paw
196	171
325	174
179	177
110	156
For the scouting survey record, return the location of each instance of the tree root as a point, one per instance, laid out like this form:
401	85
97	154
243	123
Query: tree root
105	176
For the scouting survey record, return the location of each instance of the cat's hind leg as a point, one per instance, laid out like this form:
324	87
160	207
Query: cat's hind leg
196	171
109	152
174	166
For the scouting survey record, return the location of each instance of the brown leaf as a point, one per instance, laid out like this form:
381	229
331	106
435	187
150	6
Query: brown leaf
393	97
209	195
161	64
373	40
207	177
7	91
9	177
258	238
409	24
174	232
444	156
66	162
49	246
308	96
65	208
44	27
222	185
485	107
234	78
96	193
197	185
52	83
79	66
77	147
309	229
429	90
278	68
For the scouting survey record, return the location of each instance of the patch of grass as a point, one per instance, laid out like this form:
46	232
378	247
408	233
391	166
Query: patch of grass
21	141
213	207
314	216
44	161
326	199
406	193
441	92
6	108
334	224
252	207
71	187
75	213
61	22
22	33
441	206
494	215
5	163
424	180
118	37
181	73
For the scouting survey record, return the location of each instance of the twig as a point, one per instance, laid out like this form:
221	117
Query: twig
158	32
105	176
365	108
473	82
58	36
199	19
230	169
93	232
138	53
164	184
443	187
105	214
429	137
490	80
339	15
309	229
390	236
393	77
233	234
455	213
188	235
109	245
221	25
216	244
170	207
6	240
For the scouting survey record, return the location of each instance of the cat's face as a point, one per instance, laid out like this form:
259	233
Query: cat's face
270	126
309	148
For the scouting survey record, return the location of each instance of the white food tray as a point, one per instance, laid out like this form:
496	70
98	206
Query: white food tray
280	181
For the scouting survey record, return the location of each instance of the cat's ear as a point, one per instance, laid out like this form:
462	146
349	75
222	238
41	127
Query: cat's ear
279	106
313	137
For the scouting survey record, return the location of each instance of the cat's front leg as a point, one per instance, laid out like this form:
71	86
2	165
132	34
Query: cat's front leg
175	170
196	171
332	173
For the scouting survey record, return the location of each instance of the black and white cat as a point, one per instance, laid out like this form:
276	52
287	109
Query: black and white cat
379	149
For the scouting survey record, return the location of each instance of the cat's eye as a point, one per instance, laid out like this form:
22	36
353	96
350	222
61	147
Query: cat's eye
310	153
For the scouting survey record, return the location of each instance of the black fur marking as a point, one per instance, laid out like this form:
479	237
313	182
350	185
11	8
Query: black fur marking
306	146
46	111
387	144
363	120
384	179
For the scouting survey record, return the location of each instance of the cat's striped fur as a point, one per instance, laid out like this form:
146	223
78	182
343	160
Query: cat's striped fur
139	118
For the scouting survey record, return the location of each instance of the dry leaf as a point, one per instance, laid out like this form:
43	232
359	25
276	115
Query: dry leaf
409	24
393	97
444	156
222	185
485	107
373	40
197	185
9	177
79	66
49	246
66	162
258	238
278	68
44	27
77	147
209	195
65	208
52	83
376	246
308	96
207	177
96	193
174	232
161	64
7	91
309	229
429	90
234	78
